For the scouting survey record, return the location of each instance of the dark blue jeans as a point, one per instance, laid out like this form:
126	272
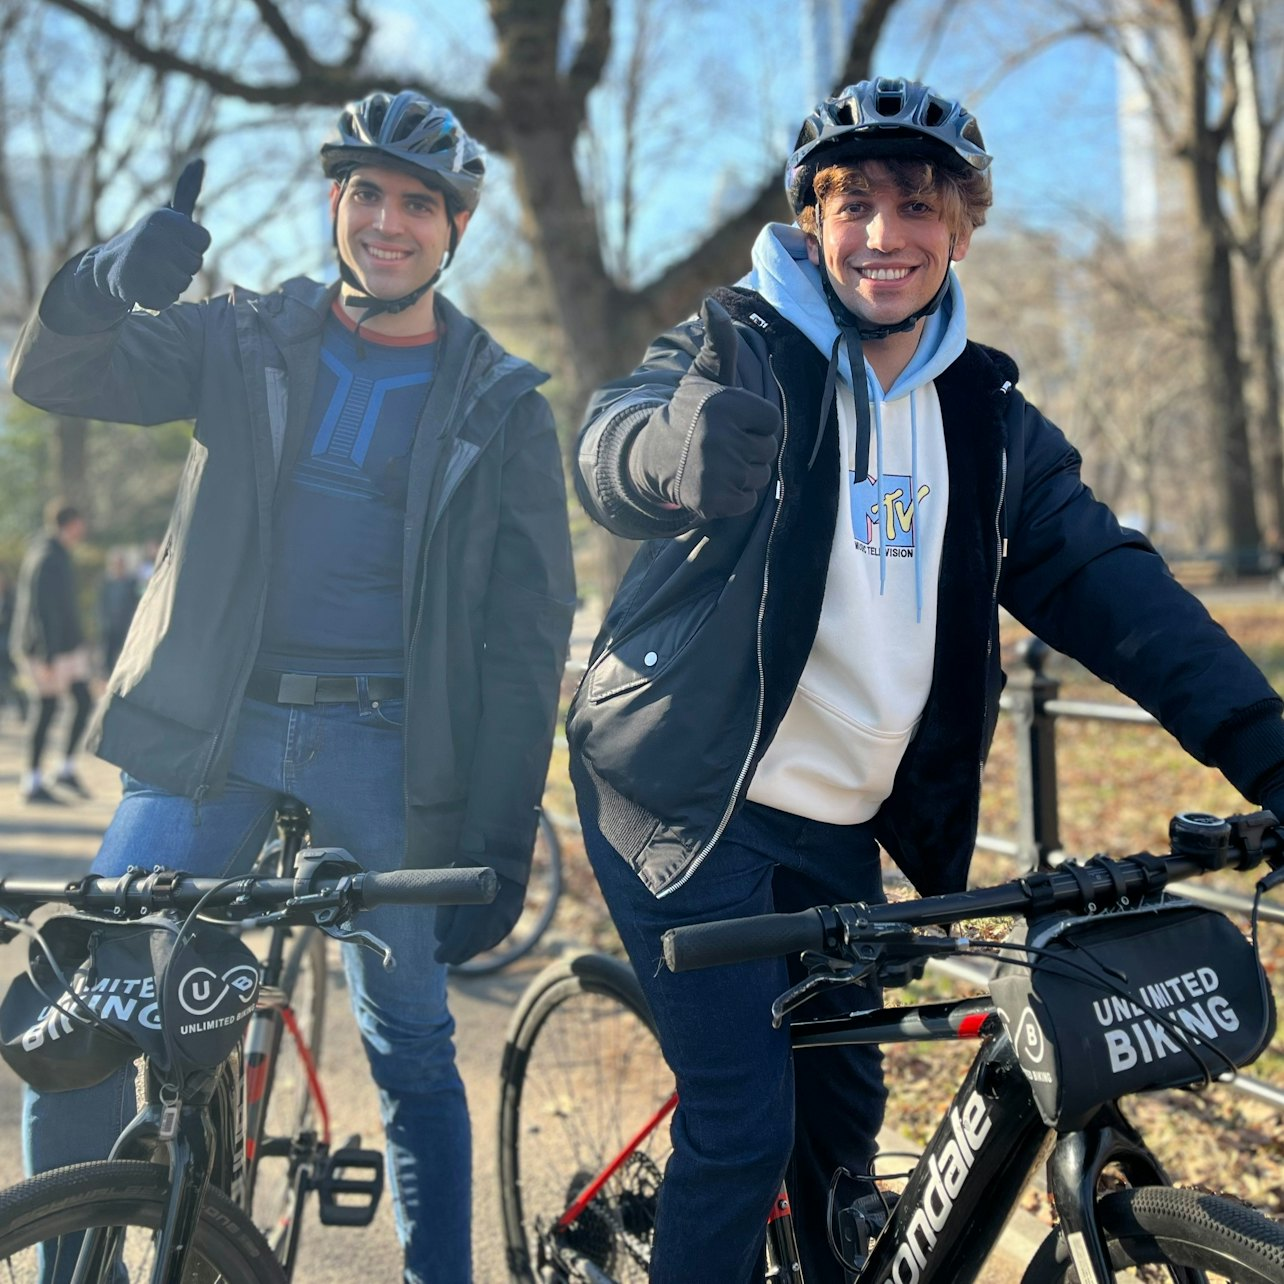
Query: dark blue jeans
344	761
748	1110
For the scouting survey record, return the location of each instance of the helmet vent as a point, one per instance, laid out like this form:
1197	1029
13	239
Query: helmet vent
410	133
935	113
889	104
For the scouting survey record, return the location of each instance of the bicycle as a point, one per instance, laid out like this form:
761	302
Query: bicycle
585	1093
288	1153
543	891
173	1200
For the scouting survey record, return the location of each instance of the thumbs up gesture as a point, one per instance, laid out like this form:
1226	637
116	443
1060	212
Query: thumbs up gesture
710	451
155	261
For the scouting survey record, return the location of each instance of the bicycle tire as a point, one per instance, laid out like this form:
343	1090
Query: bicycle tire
543	891
130	1195
582	1072
288	1108
1160	1226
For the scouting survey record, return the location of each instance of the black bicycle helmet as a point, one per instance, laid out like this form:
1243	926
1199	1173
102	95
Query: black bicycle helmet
877	118
411	133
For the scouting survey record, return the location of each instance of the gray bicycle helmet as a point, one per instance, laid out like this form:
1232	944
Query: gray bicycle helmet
408	132
883	117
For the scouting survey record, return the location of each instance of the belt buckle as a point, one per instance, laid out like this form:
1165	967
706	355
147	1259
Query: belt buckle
297	688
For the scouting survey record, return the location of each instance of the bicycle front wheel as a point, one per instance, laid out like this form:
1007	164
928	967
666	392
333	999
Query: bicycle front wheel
1158	1233
585	1090
543	891
50	1213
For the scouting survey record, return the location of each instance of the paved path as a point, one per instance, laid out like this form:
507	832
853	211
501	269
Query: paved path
59	842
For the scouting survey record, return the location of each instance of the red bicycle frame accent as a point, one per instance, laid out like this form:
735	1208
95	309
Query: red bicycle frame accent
589	1193
310	1069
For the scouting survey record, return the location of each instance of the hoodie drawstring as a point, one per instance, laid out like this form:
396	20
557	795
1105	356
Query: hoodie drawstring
856	359
916	525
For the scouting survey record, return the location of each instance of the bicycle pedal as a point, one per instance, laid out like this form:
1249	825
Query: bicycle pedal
349	1186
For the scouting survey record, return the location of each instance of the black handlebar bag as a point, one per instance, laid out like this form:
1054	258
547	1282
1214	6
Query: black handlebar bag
1162	996
135	987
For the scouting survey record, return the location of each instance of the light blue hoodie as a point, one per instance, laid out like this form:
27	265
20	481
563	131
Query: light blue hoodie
784	275
863	690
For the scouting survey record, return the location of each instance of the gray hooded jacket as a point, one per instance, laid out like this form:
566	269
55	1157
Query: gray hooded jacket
488	591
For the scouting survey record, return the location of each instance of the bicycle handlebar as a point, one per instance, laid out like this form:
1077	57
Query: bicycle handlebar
475	886
1099	882
164	889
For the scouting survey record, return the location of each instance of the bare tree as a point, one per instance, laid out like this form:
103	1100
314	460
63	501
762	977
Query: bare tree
534	110
1182	55
87	143
1258	222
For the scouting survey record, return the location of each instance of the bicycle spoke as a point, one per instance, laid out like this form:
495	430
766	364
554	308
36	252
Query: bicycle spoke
595	1075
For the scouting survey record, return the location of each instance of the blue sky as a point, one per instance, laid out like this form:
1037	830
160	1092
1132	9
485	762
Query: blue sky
723	107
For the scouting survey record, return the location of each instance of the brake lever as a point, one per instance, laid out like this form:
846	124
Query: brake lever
808	988
9	916
339	931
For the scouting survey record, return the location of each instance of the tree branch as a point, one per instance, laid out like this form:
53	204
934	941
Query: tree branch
364	29
325	85
724	256
590	62
291	45
864	38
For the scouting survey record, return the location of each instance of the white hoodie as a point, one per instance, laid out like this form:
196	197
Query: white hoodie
863	689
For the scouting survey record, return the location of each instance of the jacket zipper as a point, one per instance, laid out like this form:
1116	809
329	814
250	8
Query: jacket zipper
469	358
247	663
698	859
1000	551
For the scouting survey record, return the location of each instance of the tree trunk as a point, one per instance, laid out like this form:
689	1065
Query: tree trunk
1223	369
71	461
1265	361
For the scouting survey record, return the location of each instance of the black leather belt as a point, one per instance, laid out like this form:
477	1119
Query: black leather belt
309	688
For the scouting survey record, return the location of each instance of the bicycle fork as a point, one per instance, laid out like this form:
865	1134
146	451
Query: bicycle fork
183	1133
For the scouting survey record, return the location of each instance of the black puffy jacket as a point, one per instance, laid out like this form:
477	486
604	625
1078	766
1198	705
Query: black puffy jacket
704	644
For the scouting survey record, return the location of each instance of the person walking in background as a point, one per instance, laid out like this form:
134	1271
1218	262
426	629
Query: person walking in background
48	641
11	692
117	600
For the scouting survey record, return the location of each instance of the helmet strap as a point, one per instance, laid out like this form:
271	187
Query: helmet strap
357	297
846	319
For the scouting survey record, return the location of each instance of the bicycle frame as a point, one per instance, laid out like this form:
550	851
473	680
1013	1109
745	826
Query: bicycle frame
207	1132
274	1017
273	1013
969	1178
198	1137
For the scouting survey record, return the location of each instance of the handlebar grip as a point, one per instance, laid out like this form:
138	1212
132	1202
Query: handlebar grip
470	886
764	936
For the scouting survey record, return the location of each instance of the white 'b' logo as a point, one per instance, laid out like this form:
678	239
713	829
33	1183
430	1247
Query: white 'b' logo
1030	1043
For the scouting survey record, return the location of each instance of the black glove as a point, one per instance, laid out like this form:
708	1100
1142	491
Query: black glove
1271	789
155	261
464	931
710	451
